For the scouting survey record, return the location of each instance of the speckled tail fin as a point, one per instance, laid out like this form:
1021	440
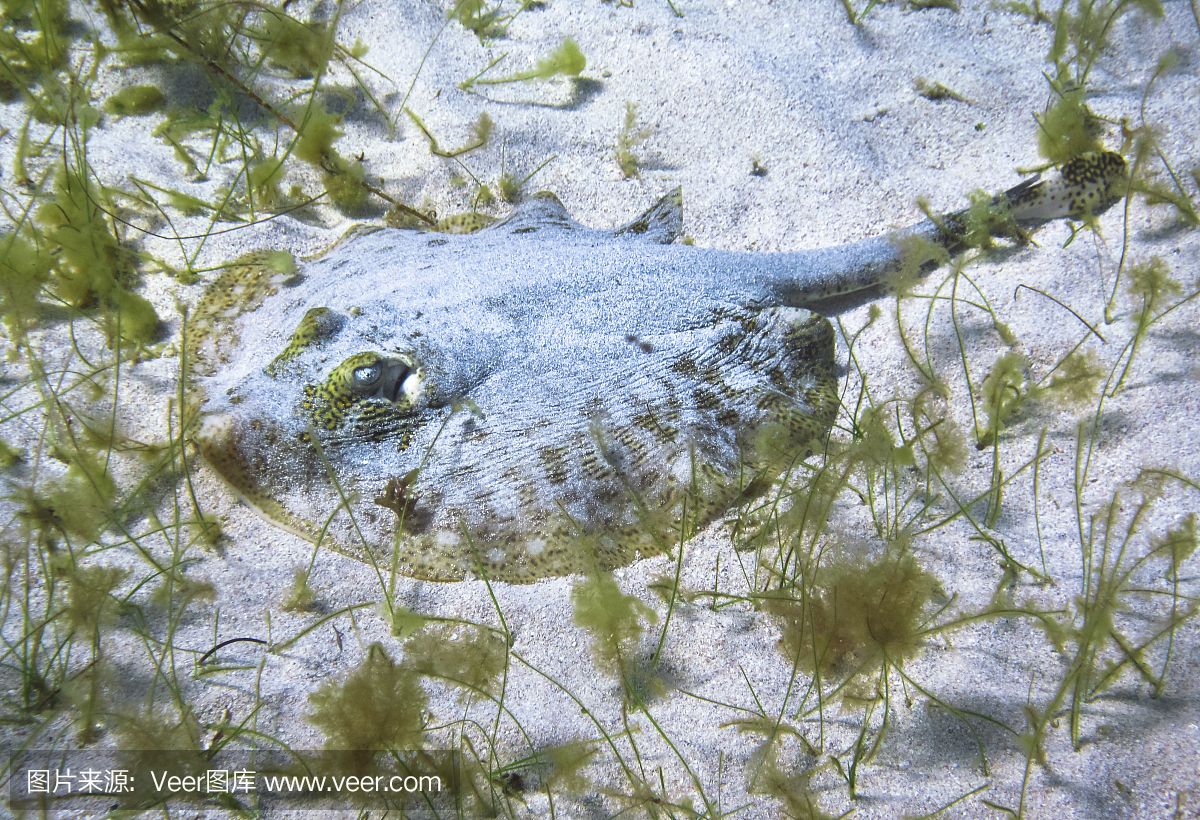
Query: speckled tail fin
663	223
1087	185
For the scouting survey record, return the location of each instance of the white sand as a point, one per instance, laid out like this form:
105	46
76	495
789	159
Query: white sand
831	112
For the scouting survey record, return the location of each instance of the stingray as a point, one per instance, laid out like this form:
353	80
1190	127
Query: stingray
539	398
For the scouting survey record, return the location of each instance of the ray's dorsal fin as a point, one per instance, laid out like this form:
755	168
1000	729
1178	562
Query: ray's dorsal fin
663	223
542	210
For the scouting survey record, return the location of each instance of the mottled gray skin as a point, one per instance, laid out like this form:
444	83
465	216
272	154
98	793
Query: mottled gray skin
548	398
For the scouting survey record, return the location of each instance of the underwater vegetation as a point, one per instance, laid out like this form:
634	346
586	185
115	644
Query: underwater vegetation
983	494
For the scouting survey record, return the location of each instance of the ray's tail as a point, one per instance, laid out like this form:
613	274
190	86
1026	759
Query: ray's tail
1084	187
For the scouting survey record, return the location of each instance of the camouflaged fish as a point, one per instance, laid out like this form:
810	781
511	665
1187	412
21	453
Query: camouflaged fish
537	398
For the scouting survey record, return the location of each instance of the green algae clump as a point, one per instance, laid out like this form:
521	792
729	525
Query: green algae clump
858	615
471	658
613	618
135	101
1068	129
379	706
92	268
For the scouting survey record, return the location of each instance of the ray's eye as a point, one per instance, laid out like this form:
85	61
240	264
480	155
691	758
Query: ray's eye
367	375
365	378
378	377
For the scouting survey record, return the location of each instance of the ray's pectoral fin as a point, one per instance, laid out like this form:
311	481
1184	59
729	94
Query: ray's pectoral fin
218	440
663	223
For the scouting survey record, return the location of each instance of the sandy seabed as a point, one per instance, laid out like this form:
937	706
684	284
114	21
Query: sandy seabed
829	114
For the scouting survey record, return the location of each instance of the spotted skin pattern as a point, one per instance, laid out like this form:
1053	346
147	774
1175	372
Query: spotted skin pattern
327	402
1083	186
537	398
318	323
